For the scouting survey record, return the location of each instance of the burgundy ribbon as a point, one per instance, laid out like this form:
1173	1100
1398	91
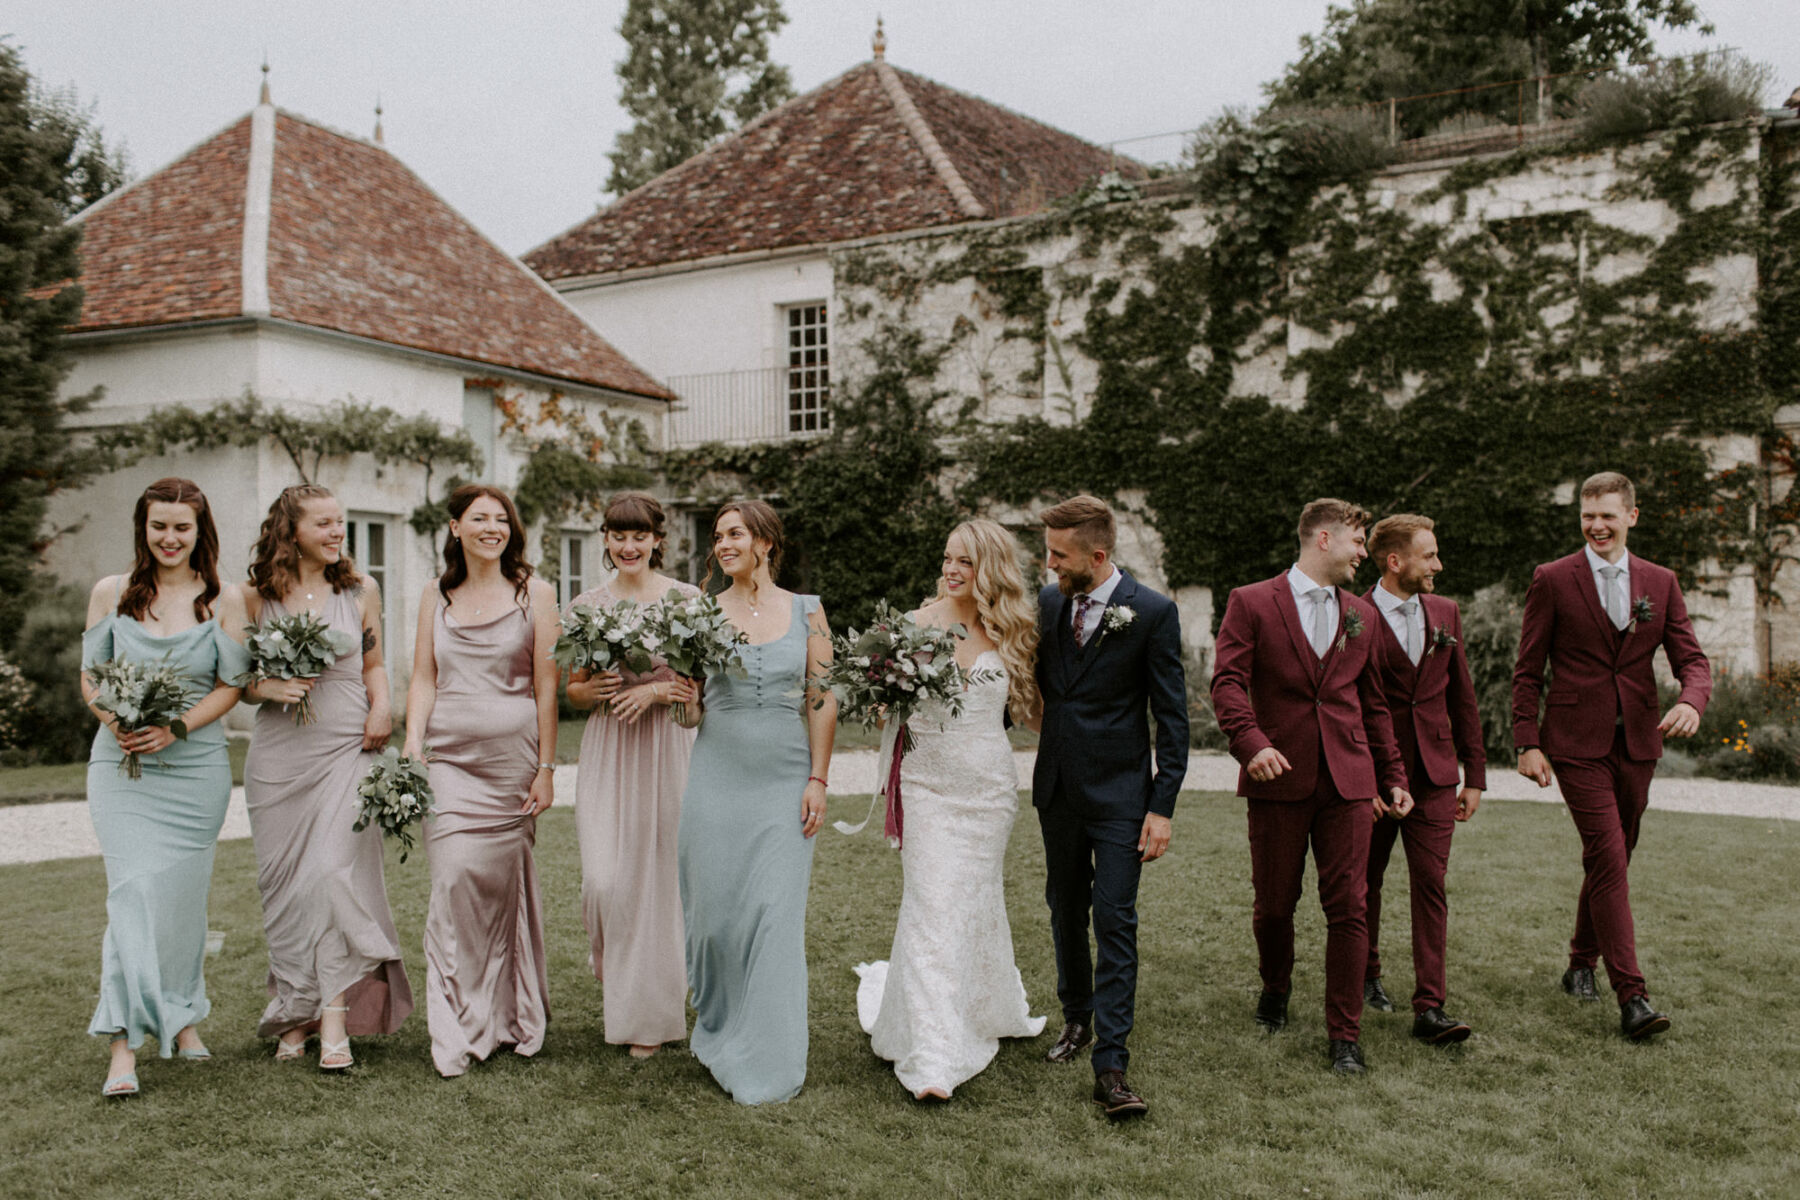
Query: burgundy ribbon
895	814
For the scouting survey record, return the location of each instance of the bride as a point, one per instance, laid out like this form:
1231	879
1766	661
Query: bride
950	991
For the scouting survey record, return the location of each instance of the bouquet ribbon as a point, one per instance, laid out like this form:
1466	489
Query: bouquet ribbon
893	749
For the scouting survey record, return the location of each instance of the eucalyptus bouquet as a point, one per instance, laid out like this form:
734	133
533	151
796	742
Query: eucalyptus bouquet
141	696
694	638
599	639
396	795
297	646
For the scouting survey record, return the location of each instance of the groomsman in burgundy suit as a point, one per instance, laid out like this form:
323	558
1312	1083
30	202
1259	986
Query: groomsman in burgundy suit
1425	675
1597	617
1297	691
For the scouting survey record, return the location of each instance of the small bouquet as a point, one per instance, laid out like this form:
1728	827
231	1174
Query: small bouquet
396	796
886	672
604	639
141	697
297	646
694	638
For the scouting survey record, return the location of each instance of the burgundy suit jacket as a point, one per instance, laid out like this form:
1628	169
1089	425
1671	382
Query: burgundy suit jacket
1270	689
1601	678
1436	721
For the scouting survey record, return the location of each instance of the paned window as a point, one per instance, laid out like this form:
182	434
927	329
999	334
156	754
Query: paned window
808	370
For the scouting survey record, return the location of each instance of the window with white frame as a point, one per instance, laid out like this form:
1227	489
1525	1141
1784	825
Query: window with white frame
574	565
808	369
372	549
478	420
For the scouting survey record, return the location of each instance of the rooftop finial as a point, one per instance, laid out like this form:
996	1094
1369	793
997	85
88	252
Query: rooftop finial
264	98
880	41
378	138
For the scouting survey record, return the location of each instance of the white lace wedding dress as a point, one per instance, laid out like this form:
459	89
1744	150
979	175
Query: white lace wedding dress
950	990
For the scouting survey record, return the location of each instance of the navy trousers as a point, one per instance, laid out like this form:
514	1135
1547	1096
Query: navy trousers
1091	865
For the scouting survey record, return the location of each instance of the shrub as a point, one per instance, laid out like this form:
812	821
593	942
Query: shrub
15	704
1751	727
1491	623
1700	90
58	726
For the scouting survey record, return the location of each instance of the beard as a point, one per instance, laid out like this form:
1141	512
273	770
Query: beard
1072	581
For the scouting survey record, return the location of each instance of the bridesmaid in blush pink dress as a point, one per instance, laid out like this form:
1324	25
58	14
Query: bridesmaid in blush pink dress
483	700
634	765
334	957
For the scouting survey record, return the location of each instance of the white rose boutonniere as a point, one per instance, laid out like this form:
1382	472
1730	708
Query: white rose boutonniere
1119	616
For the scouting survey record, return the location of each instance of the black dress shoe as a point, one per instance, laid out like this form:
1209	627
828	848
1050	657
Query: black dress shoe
1271	1011
1637	1020
1113	1095
1579	983
1346	1058
1436	1028
1074	1037
1375	996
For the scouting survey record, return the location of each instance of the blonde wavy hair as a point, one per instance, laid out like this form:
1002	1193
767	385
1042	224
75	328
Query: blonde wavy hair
1006	607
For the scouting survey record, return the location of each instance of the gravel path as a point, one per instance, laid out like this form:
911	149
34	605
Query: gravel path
37	832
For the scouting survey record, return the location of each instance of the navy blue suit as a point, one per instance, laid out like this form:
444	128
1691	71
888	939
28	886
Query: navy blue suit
1093	786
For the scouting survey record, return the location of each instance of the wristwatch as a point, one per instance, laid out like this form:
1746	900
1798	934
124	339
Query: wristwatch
546	766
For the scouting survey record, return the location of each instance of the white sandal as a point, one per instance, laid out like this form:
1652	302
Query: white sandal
286	1051
335	1056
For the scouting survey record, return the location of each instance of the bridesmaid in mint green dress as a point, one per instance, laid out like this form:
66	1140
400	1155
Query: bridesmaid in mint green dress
157	832
755	797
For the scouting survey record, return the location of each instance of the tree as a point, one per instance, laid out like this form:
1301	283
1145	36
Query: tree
1379	49
53	163
696	70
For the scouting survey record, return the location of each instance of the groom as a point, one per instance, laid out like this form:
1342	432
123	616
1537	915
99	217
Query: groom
1108	648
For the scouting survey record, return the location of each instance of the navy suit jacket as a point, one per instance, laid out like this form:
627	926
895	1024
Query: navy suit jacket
1095	742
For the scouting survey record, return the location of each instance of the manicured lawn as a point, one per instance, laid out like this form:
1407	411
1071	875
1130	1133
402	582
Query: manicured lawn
1545	1100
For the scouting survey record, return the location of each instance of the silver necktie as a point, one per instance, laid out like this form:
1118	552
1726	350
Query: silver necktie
1320	635
1614	595
1415	644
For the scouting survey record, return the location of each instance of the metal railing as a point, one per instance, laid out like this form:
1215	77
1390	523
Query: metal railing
739	407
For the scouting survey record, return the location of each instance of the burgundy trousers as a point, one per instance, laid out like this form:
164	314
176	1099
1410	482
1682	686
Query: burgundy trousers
1338	832
1606	797
1425	834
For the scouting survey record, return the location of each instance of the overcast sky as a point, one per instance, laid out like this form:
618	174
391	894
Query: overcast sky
507	109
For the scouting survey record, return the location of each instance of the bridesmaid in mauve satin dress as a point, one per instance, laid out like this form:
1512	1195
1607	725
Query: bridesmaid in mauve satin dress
334	956
483	701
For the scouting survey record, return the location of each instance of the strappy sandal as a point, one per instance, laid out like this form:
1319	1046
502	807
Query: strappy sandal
335	1056
194	1053
286	1051
120	1085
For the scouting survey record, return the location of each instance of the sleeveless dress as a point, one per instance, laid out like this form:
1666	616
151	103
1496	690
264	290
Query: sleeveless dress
627	819
950	989
485	984
325	906
745	868
157	834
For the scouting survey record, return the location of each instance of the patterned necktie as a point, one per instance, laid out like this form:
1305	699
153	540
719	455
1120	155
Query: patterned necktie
1614	595
1415	645
1321	624
1082	604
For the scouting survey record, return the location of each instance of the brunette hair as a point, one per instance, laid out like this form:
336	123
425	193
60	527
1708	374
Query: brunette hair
1392	535
275	558
1088	516
1321	513
512	559
763	522
1607	483
203	559
634	512
1006	608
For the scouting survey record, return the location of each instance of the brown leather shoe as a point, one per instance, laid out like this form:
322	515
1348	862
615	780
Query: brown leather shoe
1074	1038
1113	1095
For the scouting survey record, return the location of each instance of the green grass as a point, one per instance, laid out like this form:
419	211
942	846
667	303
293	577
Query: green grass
1545	1100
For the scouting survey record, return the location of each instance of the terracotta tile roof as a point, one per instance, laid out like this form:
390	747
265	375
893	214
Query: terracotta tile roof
846	160
356	243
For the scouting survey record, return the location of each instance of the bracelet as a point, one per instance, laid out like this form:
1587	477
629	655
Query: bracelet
817	780
546	766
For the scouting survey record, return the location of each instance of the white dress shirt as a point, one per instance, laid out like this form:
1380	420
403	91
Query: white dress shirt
1101	593
1302	583
1389	604
1595	562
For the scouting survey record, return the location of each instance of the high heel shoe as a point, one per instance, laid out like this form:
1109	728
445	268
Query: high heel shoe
335	1056
290	1051
121	1085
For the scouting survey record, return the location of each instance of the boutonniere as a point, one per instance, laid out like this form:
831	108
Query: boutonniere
1119	616
1641	610
1441	639
1353	627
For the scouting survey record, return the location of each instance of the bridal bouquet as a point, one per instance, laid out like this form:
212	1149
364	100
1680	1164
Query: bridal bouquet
396	795
694	638
600	639
886	672
141	697
297	646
